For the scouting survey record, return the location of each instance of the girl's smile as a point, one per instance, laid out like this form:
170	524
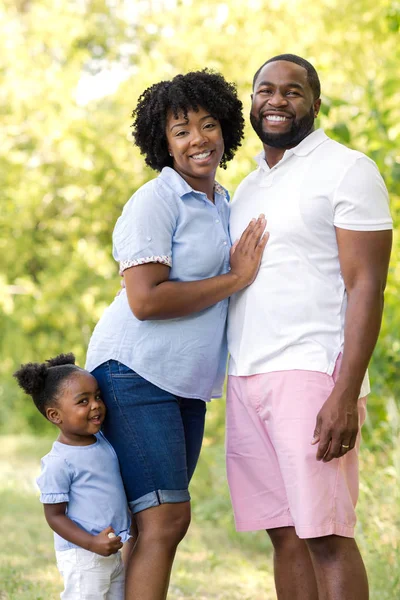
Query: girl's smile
80	410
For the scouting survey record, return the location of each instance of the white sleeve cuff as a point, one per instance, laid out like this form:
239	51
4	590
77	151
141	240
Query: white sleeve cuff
53	498
164	260
378	225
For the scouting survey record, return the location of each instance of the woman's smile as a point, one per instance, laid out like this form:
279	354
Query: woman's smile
196	144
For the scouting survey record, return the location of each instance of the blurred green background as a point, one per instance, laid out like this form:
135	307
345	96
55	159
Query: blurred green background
71	72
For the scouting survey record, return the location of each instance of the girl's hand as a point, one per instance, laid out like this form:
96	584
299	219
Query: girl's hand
246	253
104	545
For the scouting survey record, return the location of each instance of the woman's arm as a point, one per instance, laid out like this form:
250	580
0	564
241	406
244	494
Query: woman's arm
152	296
70	531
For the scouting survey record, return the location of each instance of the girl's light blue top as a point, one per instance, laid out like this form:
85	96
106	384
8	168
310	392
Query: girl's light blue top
89	480
167	221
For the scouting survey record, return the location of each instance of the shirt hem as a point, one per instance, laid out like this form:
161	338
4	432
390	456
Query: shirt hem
166	387
262	370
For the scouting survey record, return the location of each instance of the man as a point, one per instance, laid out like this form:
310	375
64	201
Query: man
301	337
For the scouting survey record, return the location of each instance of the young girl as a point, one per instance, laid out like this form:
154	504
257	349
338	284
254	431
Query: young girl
81	487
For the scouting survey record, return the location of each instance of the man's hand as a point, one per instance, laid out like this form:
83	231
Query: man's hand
337	427
104	545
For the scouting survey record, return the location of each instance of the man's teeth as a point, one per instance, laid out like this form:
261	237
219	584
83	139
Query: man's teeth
275	118
201	156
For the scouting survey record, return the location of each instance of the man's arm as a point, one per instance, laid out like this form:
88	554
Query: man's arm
364	261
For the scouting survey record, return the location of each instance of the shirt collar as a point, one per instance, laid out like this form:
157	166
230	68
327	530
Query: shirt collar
305	147
176	181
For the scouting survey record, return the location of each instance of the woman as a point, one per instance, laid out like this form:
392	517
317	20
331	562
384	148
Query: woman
159	351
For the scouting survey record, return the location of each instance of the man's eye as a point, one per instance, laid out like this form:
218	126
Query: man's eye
264	91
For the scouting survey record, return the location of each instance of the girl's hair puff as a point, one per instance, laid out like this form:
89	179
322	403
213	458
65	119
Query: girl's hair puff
42	381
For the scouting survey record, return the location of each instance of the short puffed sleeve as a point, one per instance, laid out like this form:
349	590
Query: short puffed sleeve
144	231
361	200
55	480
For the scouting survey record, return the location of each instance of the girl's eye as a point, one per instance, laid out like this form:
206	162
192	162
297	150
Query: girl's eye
180	133
209	125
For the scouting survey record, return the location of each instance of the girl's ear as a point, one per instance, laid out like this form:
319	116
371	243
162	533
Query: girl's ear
53	415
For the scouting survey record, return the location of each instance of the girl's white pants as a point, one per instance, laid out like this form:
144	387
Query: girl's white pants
89	576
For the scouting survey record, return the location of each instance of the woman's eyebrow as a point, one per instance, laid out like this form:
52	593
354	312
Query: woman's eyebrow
179	124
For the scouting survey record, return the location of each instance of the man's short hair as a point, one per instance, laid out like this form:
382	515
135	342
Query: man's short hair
312	75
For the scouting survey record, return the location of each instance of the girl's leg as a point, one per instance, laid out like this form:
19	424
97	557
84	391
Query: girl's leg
88	575
117	581
129	545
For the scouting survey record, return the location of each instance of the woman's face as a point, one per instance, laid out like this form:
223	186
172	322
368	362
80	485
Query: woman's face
196	144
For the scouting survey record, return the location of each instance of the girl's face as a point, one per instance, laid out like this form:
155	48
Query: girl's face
196	144
80	410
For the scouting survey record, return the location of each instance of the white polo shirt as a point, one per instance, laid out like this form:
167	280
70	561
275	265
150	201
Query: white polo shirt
292	316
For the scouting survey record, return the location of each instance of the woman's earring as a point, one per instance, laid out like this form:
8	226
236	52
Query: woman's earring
170	154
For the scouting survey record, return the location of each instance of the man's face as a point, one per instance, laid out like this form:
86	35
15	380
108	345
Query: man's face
283	106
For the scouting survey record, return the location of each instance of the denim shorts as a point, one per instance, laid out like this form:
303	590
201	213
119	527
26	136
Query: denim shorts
157	436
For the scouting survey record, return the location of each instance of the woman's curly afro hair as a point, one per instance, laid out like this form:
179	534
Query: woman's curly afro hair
199	89
42	381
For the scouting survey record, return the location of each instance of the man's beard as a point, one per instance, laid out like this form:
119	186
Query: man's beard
299	130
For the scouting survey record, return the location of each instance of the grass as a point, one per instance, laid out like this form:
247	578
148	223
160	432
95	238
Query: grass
213	562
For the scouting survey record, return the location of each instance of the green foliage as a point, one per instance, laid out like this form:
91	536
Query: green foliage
67	165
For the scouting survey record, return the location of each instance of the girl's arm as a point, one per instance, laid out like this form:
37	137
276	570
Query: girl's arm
70	531
152	296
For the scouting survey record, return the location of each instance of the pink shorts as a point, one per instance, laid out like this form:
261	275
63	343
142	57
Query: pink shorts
273	475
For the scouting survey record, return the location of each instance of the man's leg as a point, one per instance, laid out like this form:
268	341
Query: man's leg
293	569
274	477
339	568
257	489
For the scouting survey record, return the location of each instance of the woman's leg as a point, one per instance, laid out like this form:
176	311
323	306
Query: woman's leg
145	425
193	414
160	529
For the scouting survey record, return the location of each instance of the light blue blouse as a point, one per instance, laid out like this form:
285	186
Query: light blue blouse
167	221
89	480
